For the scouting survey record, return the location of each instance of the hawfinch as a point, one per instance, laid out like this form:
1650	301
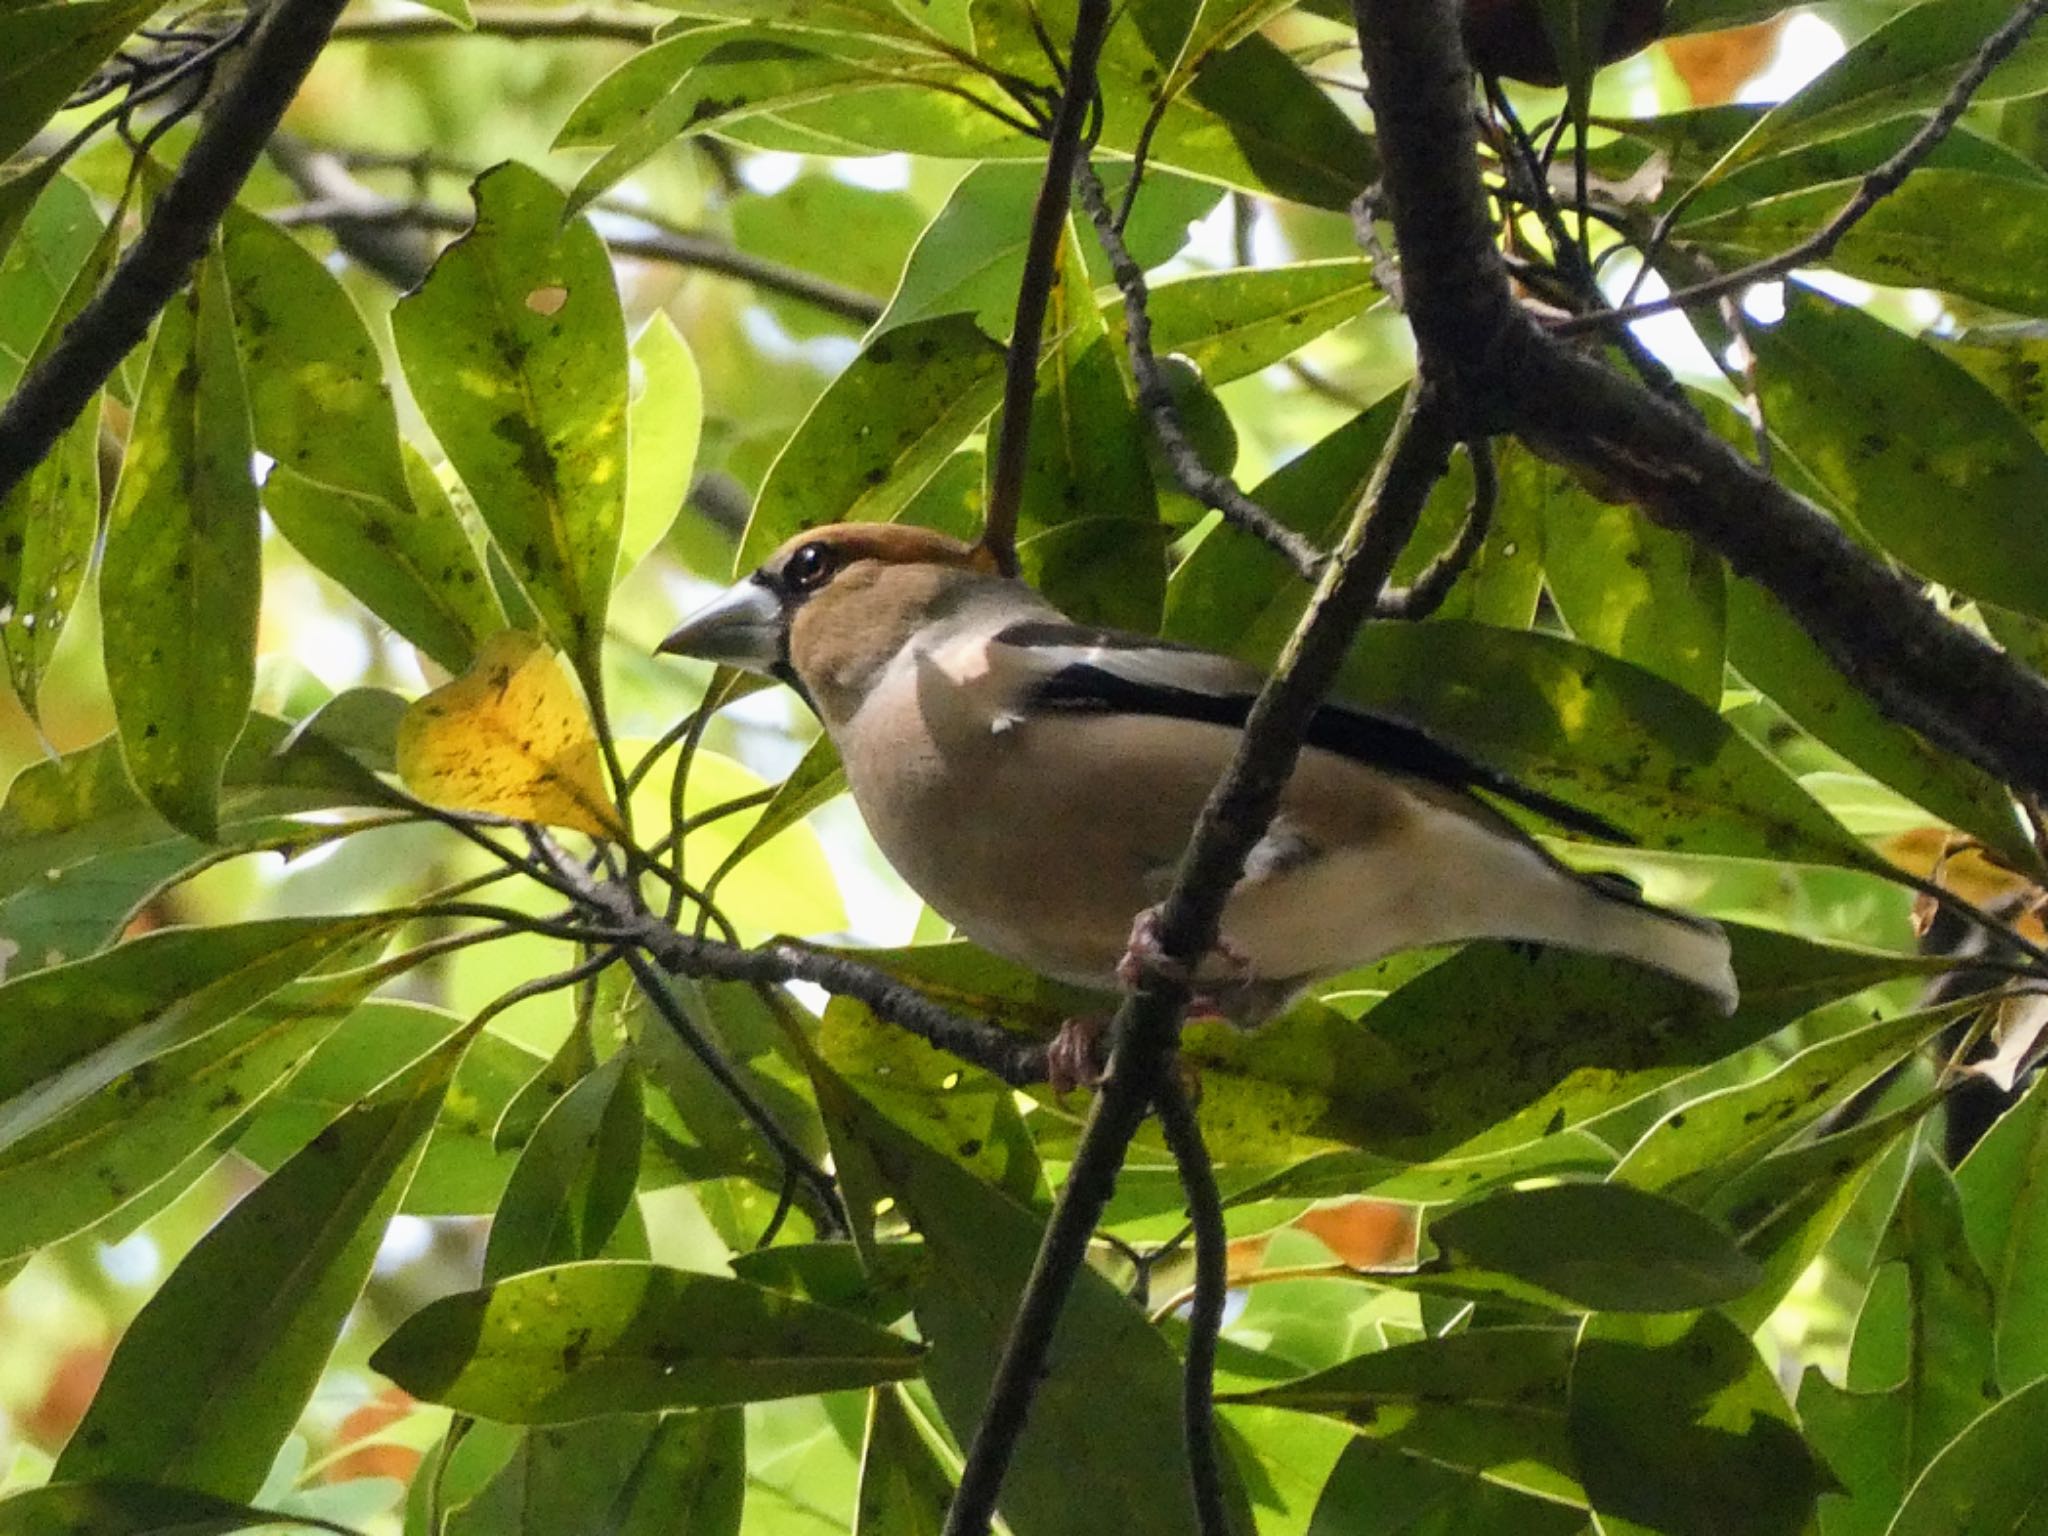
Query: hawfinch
1035	782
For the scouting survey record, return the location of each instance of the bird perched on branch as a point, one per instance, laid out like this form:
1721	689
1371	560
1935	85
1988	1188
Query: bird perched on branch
1036	781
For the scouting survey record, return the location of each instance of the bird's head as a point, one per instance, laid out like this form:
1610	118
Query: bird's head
833	606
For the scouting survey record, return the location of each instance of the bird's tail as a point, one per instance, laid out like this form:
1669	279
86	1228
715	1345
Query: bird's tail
1614	920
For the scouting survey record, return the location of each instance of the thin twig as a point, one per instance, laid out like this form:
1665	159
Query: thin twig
1205	1316
795	1162
660	245
1034	290
1155	398
160	261
1423	596
1016	1060
1874	188
1146	1031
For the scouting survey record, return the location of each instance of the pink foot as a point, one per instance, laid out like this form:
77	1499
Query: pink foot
1074	1058
1143	956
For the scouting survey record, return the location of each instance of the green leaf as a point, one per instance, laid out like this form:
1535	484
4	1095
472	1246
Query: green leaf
1979	1485
1774	654
681	1472
1921	454
1496	1047
461	1173
662	428
1088	531
714	78
970	258
903	1489
1920	1366
575	1179
555	1345
2004	1189
1088	1459
1679	1427
1785	1209
959	1112
1599	733
317	396
1488	1403
181	578
342	489
95	1155
65	820
878	1285
50	518
1964	232
515	348
1907	66
135	1509
1636	591
19	189
1231	324
56	238
211	1376
1728	1130
1251	117
1605	1246
1373	1492
884	427
143	998
48	51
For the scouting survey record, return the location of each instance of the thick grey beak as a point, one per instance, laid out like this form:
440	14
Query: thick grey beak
741	627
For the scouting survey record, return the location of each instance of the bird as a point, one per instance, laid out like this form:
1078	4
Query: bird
1035	781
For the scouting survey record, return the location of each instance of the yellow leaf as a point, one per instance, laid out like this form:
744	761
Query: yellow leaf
510	737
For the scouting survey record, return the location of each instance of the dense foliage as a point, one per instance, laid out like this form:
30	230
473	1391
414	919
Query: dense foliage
405	1166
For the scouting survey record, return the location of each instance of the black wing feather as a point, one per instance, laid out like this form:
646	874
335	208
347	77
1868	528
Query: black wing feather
1377	741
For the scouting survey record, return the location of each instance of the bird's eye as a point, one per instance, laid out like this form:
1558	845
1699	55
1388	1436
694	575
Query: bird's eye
809	567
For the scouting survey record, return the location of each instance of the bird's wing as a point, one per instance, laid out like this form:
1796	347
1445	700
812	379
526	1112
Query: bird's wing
1058	667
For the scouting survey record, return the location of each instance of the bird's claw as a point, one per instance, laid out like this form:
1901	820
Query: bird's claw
1074	1057
1144	956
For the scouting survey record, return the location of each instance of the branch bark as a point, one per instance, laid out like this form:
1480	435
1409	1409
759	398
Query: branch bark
241	122
1041	262
1508	375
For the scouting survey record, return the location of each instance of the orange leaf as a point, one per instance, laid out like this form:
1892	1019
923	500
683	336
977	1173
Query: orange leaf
510	737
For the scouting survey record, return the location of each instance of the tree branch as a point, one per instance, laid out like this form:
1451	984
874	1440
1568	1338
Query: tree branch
1423	596
1146	1031
1155	398
1508	375
1012	1058
1875	187
52	394
581	24
1205	1317
1041	261
674	247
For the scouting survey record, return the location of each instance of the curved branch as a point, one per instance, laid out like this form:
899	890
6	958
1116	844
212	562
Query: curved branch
1875	187
157	265
1423	596
1217	492
1509	375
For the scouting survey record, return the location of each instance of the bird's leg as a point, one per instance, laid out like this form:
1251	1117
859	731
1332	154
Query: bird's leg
1074	1057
